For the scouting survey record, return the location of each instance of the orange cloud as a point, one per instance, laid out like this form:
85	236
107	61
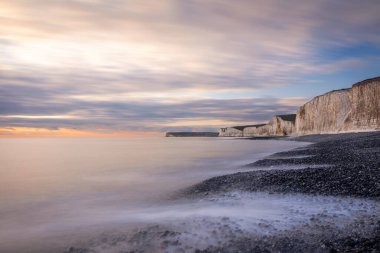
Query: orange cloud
17	132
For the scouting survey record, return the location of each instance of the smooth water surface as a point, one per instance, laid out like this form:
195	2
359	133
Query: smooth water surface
118	195
57	186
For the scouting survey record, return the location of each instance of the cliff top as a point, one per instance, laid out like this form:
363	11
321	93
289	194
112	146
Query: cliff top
241	128
191	134
370	80
332	91
364	82
287	117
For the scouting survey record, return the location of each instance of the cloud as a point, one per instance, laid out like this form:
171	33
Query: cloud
175	36
134	114
152	65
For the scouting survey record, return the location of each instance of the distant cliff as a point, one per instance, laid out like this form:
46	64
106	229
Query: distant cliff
191	134
326	113
354	109
279	125
235	131
346	110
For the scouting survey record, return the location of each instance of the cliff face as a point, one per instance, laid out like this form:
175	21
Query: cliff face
346	110
230	132
259	130
365	108
283	125
279	125
326	113
352	109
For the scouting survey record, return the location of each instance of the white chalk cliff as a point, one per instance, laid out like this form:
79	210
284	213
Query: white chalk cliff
279	125
347	110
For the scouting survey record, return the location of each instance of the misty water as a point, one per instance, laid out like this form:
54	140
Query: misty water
100	193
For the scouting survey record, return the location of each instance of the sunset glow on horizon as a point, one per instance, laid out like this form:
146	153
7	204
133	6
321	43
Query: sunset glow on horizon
25	132
141	68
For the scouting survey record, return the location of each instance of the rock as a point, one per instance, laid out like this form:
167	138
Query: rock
347	110
324	114
236	131
365	109
279	125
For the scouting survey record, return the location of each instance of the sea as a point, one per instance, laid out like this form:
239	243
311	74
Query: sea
120	194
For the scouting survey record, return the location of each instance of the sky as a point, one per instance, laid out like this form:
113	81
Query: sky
143	67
